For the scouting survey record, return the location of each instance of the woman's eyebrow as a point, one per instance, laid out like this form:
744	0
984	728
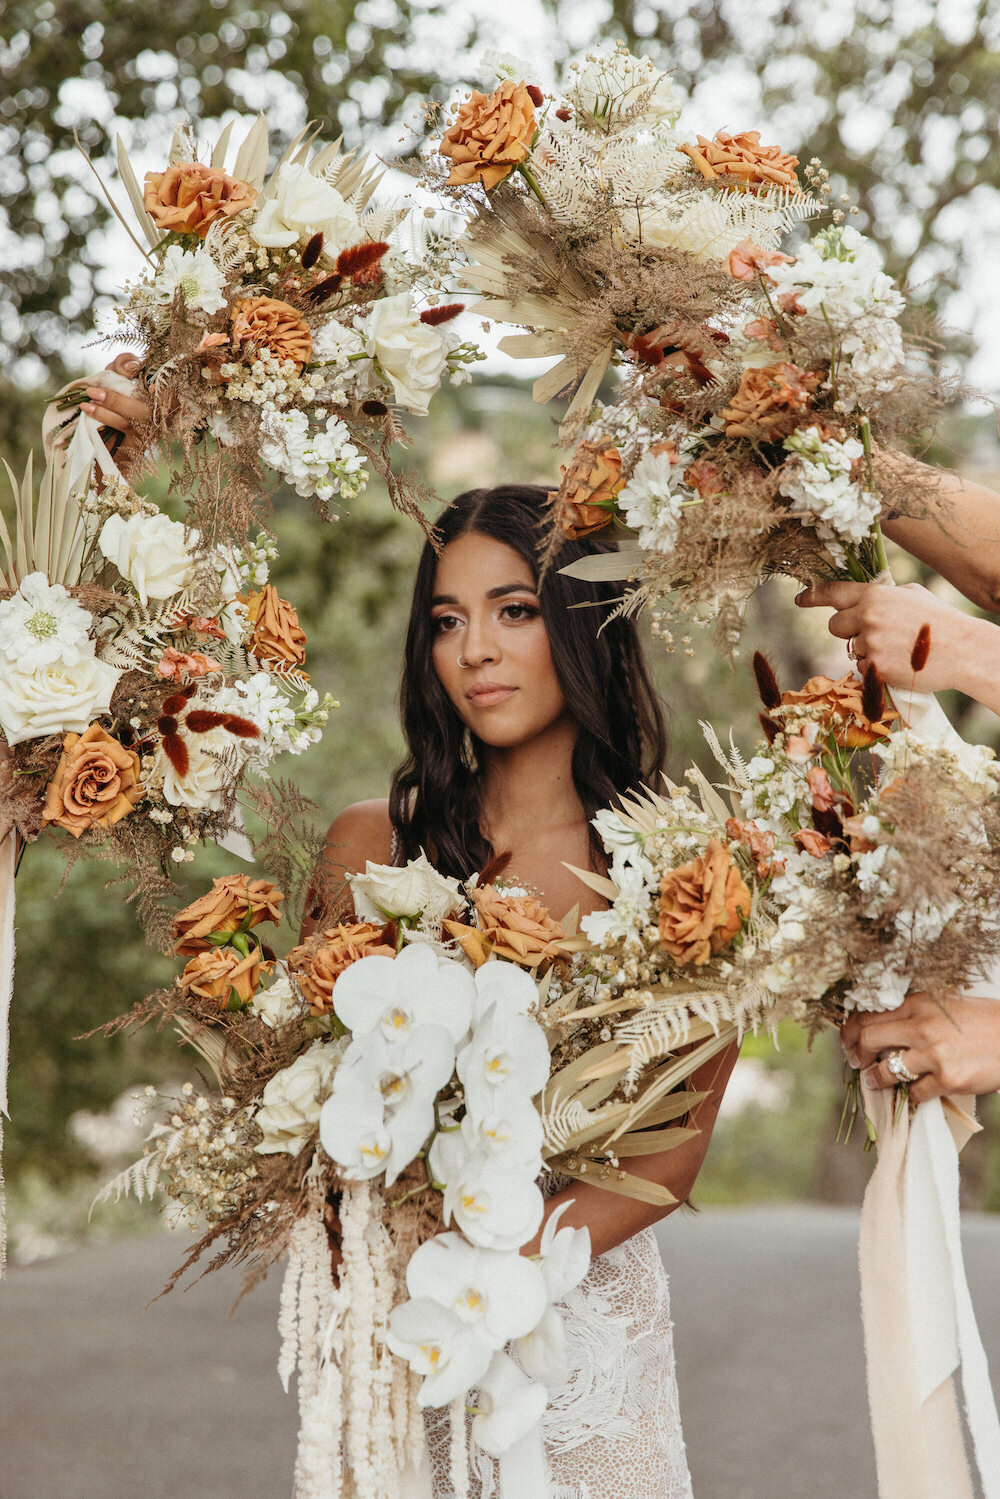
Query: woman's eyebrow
493	593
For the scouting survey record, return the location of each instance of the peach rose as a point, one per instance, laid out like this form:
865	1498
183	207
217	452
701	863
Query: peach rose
225	976
769	401
490	136
266	323
702	905
812	842
235	901
841	708
96	783
746	259
741	161
319	962
277	638
517	926
590	482
187	198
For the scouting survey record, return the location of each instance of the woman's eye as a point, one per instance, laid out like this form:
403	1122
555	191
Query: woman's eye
441	624
518	612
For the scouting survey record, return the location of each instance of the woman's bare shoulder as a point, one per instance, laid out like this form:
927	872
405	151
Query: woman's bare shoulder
360	832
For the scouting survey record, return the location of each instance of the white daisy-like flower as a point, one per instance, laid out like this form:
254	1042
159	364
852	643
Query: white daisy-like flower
195	274
41	625
653	499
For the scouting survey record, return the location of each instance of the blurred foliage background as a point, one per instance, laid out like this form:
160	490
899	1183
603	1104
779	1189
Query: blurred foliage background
901	103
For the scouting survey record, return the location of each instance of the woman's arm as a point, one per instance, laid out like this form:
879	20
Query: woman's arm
952	1045
612	1217
361	832
960	534
884	623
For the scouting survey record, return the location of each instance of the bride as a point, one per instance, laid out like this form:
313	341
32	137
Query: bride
523	718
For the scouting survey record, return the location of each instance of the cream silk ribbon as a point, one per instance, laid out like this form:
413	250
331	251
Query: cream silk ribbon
919	1322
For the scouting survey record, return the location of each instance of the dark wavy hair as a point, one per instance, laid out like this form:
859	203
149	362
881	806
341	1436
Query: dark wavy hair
435	798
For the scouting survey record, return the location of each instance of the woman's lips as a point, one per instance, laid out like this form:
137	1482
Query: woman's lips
486	694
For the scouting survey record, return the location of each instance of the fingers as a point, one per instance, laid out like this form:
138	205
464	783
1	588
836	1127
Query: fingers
880	1075
125	364
831	595
113	410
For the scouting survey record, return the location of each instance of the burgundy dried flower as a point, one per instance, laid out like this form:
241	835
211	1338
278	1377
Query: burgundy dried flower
921	649
312	251
767	682
434	316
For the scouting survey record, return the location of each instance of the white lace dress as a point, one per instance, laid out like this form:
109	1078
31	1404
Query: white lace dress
613	1431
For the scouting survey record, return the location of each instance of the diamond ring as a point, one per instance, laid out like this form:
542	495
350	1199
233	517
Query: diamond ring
850	648
898	1068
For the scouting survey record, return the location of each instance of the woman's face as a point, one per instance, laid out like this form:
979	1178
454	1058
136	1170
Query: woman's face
486	613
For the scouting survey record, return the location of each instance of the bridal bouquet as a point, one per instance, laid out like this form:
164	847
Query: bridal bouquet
143	673
754	381
390	1097
285	317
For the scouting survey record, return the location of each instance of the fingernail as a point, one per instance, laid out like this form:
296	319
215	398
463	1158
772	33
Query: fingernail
97	394
88	407
854	1060
132	368
869	1079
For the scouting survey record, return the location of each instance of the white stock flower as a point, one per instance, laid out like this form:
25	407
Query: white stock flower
42	624
54	699
195	274
412	354
838	276
877	986
381	1110
151	551
628	912
510	1404
317	460
202	785
334	343
301	205
817	480
652	500
385	891
278	1004
260	699
292	1100
396	995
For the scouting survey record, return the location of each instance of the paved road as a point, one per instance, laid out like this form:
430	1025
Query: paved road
101	1400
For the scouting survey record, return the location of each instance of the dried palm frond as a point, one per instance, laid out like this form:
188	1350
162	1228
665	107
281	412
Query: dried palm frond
48	530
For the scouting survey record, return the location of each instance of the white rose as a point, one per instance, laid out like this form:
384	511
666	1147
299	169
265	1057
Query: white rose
279	1004
54	699
203	783
292	1100
151	551
415	890
300	206
411	353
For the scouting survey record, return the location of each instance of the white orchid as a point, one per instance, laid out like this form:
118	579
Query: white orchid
506	985
510	1404
499	1295
507	1050
414	890
395	995
382	1108
495	1205
436	1343
564	1260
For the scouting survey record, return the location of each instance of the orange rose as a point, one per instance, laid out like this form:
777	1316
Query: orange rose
517	926
812	842
746	259
490	136
841	708
187	198
702	905
266	323
225	976
319	961
769	401
590	482
277	639
96	783
234	901
741	161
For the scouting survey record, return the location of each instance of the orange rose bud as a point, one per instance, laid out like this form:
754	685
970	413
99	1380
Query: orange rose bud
842	711
234	901
277	638
758	843
490	136
318	962
703	906
584	502
812	842
225	976
518	926
96	783
187	198
740	161
266	323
